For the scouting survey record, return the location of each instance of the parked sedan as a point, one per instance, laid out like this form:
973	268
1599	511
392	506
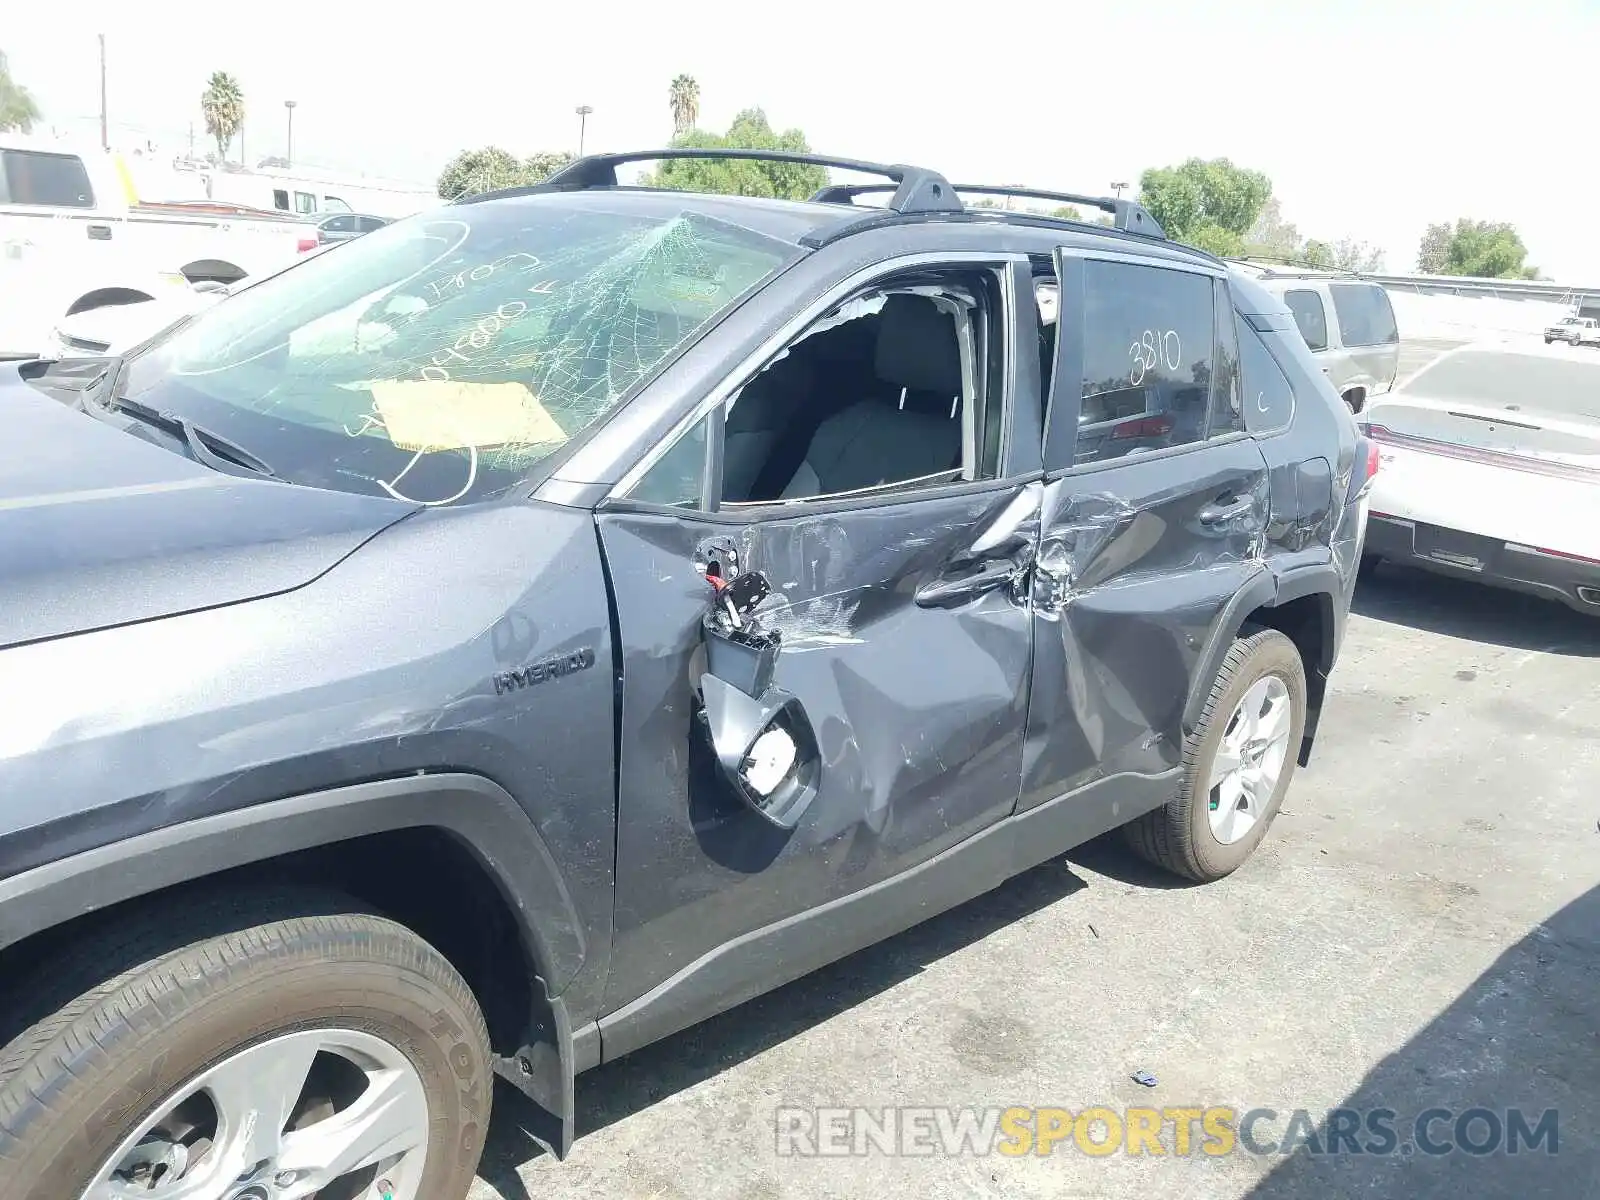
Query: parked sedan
1491	471
341	227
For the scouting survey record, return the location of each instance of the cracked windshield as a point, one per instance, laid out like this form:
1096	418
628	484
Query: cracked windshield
437	360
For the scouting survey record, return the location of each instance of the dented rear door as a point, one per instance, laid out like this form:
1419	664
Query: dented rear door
1154	510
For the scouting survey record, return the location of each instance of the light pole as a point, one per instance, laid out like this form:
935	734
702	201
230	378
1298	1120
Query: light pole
583	111
1117	188
288	151
105	135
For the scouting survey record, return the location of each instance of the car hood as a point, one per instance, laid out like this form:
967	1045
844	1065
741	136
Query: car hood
100	528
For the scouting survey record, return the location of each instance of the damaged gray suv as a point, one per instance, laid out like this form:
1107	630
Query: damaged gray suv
561	616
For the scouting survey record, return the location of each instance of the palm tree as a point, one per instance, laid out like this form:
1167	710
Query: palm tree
222	103
684	97
17	108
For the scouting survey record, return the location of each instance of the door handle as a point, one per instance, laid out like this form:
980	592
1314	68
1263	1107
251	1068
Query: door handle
981	578
99	233
1225	510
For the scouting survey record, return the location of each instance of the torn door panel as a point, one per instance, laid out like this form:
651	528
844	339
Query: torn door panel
1136	565
917	712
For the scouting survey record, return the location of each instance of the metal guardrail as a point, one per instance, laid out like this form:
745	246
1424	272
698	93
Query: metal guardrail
1508	289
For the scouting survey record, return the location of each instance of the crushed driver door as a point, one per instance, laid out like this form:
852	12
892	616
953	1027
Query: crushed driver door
869	714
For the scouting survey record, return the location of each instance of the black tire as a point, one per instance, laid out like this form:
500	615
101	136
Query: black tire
1178	835
173	989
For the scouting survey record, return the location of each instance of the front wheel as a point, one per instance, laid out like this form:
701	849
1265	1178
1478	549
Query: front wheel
1237	763
252	1047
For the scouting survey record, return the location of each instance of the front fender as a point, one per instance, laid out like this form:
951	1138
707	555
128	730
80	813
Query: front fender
478	813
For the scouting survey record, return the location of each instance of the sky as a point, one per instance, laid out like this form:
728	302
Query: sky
1372	120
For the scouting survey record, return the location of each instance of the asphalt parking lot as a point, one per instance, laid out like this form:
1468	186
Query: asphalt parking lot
1421	930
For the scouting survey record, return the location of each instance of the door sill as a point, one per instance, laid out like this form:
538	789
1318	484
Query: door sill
776	954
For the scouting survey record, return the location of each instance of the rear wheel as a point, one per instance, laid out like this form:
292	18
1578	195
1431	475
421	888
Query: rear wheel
252	1048
1237	763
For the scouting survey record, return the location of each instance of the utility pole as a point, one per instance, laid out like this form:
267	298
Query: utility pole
105	134
583	111
288	153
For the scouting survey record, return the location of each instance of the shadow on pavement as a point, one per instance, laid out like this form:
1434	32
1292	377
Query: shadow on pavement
1464	609
1525	1036
617	1090
1112	857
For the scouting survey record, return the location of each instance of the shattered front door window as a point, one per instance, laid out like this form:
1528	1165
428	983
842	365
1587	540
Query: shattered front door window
439	359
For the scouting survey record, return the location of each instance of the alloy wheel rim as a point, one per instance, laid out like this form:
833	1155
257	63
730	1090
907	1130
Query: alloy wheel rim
1250	759
283	1119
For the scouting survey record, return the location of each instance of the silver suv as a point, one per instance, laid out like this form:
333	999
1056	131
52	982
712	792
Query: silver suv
1347	322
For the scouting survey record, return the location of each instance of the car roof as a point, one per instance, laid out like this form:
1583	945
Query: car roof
807	224
913	197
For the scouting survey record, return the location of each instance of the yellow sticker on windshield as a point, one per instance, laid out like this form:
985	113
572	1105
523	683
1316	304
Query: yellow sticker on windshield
431	415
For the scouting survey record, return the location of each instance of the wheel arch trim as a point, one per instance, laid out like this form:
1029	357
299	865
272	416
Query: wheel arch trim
1260	589
475	811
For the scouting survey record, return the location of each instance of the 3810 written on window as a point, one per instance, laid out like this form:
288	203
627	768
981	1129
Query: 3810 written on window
1148	335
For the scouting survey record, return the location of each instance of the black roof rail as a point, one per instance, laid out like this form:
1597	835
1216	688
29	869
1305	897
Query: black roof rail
1127	215
916	189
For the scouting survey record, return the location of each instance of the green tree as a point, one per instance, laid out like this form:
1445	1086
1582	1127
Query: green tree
1315	254
1351	255
1211	204
473	172
536	168
750	131
222	105
1484	249
684	96
1271	236
1434	253
17	108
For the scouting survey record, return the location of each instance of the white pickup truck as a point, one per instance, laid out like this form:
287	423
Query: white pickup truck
74	235
1578	331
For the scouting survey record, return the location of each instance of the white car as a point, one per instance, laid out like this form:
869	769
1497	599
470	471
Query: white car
115	328
1576	331
1490	470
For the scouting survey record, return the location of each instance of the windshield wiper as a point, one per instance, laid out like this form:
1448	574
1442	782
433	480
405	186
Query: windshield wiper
205	446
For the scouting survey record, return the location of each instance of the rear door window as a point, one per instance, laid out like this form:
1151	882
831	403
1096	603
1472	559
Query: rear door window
47	180
1366	318
1268	396
1148	338
340	225
1310	315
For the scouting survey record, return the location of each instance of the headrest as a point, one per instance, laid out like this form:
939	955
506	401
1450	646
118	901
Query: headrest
917	346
